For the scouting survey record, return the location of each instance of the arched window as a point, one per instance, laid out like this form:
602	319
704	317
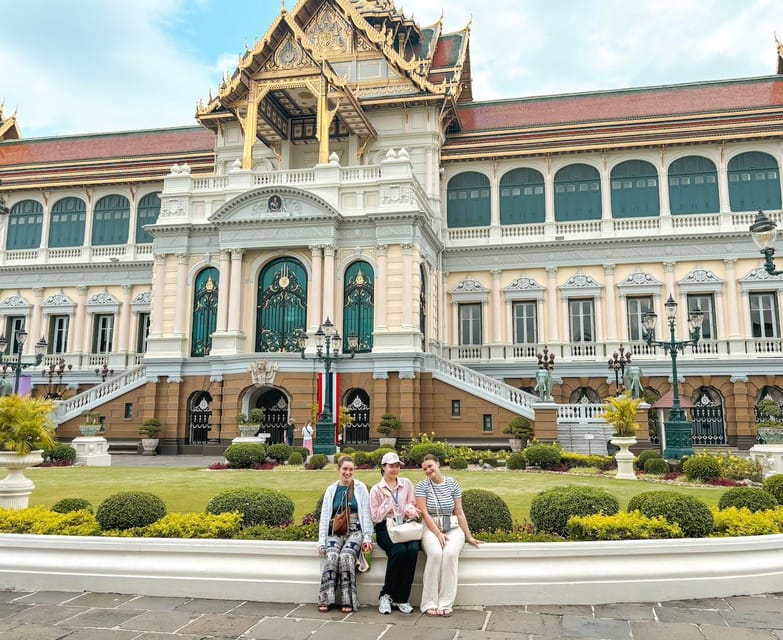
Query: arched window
66	228
24	225
754	182
522	197
577	193
205	307
634	186
693	186
282	305
359	305
110	221
147	213
468	200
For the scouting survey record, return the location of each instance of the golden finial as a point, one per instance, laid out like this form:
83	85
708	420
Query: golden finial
209	286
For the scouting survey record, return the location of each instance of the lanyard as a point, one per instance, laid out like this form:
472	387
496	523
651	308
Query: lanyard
395	496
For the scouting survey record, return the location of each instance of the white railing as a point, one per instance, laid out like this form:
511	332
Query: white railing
769	346
214	183
279	178
360	174
580	412
100	393
483	386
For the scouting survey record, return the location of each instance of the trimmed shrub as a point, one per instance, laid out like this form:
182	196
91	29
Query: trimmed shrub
551	509
66	505
257	506
279	452
291	532
656	466
243	456
486	511
318	461
61	453
295	459
751	498
603	463
490	461
743	522
304	452
457	463
418	451
621	526
516	460
693	516
701	468
193	525
375	456
545	456
360	458
40	521
774	484
129	509
647	454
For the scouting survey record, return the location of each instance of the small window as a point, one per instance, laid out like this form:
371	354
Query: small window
487	423
685	180
710	179
698	180
652	182
455	408
595	186
675	182
128	414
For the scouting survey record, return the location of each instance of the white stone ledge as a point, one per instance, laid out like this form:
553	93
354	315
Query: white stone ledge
495	574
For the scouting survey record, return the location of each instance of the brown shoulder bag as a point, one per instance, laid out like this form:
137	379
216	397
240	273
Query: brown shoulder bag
341	522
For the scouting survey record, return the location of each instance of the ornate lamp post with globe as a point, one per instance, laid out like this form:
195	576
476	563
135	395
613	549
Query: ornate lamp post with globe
15	364
617	363
327	346
677	428
764	233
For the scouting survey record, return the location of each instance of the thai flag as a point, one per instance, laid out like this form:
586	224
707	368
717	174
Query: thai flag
335	399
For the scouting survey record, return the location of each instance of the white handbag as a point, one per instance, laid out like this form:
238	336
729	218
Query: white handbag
404	531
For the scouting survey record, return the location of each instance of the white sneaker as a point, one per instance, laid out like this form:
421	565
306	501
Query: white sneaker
404	607
384	604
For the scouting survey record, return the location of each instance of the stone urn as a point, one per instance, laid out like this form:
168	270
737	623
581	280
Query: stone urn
624	457
249	430
15	488
89	430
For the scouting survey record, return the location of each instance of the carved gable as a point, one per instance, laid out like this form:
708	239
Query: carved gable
329	34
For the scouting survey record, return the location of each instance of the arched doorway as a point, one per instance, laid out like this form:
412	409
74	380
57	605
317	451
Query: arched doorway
199	417
357	401
707	415
275	405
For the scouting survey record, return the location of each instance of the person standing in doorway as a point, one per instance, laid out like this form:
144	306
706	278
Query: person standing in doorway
289	432
307	437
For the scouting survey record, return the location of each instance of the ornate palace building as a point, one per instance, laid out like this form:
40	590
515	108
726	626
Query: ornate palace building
344	171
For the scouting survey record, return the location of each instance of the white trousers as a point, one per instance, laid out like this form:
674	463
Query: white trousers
439	588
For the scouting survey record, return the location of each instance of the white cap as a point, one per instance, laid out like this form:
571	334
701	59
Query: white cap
390	458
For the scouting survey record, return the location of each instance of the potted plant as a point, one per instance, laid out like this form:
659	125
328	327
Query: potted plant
149	431
389	424
90	423
620	412
25	430
251	424
520	431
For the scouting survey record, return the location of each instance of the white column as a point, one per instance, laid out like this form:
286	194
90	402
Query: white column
235	288
315	290
75	339
551	323
599	321
224	275
47	220
733	308
158	295
663	186
723	184
125	318
445	331
494	198
133	201
328	308
35	318
380	288
407	286
611	302
497	309
181	309
549	193
669	290
606	191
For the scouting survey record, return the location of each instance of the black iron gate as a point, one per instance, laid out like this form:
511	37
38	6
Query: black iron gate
200	416
709	427
358	404
275	406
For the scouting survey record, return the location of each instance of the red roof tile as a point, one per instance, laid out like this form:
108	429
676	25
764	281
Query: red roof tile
110	145
633	103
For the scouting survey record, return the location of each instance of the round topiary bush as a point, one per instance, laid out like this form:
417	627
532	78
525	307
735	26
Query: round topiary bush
751	498
486	511
279	452
243	456
644	456
61	453
418	451
656	466
774	484
551	509
545	456
701	468
457	463
318	461
257	506
295	459
129	509
516	461
303	451
693	516
66	505
360	458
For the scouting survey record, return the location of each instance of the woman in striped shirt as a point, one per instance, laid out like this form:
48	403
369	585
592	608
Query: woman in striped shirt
439	500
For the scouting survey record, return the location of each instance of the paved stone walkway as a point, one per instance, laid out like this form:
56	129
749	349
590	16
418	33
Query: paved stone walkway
52	615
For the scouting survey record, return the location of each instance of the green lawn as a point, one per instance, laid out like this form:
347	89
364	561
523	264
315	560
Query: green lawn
190	489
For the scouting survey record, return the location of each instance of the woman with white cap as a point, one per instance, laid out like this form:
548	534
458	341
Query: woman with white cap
394	497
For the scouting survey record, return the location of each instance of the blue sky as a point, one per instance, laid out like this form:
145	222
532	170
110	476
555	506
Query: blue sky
82	66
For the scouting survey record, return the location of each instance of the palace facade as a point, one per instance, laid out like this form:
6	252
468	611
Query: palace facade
345	172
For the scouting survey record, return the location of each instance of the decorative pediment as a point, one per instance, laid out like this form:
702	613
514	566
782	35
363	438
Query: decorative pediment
329	33
103	302
639	283
264	206
758	278
290	56
524	288
701	280
581	284
469	290
15	304
142	302
58	303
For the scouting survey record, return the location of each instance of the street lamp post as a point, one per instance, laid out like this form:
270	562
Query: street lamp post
104	372
617	363
677	428
764	233
16	365
55	370
327	345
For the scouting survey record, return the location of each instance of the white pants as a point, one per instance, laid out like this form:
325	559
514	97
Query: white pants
439	588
